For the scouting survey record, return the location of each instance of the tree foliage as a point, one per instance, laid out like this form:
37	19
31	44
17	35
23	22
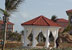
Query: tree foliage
54	18
11	5
68	28
22	32
5	12
13	36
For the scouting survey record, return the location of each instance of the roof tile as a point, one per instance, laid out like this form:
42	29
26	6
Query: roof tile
41	21
62	20
69	10
1	22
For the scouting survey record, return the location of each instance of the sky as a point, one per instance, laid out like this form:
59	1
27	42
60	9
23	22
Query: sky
30	9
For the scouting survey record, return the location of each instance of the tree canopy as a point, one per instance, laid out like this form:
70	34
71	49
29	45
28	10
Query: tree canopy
11	5
53	18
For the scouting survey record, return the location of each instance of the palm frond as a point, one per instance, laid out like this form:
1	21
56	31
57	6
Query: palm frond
5	12
12	4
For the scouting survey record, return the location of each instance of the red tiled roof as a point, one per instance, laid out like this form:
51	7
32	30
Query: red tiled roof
69	10
1	22
62	20
41	21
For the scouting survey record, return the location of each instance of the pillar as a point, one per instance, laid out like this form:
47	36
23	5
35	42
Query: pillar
22	38
55	35
25	43
47	39
35	34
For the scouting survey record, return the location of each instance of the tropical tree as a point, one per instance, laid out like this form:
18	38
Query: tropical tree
5	18
53	18
22	32
13	36
10	6
68	28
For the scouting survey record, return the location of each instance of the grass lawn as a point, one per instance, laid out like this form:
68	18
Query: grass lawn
63	46
37	49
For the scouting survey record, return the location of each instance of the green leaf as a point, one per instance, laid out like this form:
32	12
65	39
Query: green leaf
5	12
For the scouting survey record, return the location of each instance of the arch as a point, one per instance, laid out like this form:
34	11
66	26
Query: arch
30	37
51	38
41	39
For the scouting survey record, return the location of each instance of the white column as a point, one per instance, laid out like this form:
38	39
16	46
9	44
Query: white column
26	34
22	39
47	39
55	35
35	34
34	41
25	40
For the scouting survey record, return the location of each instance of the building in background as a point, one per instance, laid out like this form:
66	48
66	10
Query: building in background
63	22
9	26
69	13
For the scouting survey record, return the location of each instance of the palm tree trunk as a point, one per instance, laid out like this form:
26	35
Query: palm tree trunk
5	29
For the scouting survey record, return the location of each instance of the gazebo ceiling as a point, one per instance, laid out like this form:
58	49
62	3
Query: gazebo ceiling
40	21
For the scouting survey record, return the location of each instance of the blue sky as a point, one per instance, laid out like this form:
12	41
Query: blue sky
33	8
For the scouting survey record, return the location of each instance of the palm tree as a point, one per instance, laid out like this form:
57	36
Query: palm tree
68	28
10	6
5	18
54	18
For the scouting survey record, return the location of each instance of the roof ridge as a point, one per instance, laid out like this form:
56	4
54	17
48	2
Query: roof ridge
51	21
45	20
35	20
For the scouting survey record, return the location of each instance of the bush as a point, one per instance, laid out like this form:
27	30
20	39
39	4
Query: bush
13	36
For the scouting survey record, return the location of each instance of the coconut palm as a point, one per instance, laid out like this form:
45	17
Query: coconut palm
54	18
5	18
10	6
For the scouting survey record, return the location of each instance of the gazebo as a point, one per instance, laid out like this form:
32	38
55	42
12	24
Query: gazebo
37	25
